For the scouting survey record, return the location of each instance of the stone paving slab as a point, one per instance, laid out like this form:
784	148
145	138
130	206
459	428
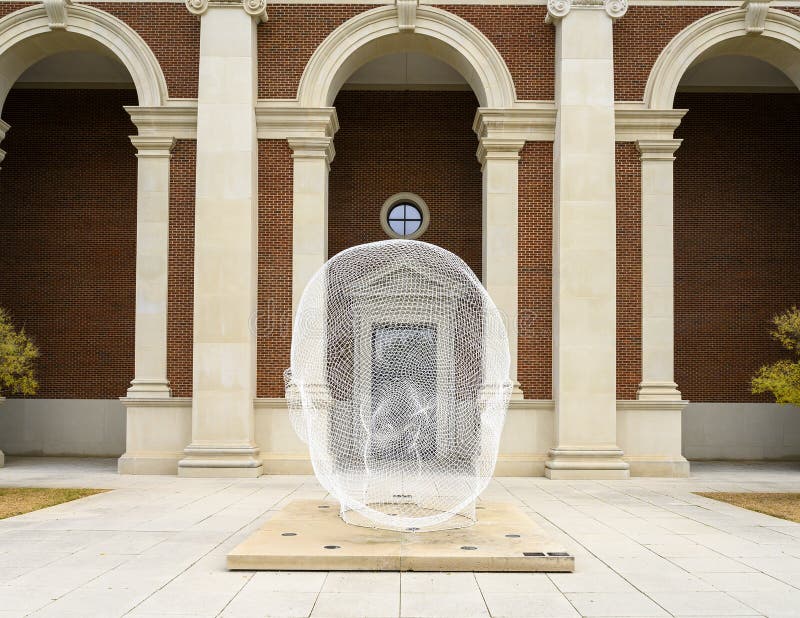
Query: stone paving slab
156	546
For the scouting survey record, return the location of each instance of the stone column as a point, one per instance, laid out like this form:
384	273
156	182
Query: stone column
152	253
500	166
312	157
584	244
658	328
226	244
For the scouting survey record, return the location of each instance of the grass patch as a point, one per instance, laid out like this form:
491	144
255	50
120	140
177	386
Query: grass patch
18	500
785	506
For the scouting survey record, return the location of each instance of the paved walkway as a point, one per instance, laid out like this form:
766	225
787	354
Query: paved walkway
156	546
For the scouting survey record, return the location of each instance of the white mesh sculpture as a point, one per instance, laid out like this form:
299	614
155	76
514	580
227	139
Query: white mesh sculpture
399	383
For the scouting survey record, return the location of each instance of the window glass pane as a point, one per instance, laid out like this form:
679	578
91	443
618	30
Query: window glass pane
397	227
412	226
396	212
412	212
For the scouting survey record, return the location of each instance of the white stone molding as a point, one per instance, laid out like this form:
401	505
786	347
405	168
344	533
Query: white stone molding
407	15
255	8
558	9
638	123
658	325
530	121
4	127
87	28
721	33
286	120
311	162
584	253
177	119
499	158
57	11
152	258
375	32
226	250
755	15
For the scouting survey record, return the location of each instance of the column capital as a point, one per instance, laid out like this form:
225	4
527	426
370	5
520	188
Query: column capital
494	148
657	149
147	146
558	9
4	127
312	148
255	8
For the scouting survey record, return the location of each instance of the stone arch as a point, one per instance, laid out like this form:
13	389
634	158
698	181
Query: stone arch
721	33
376	32
27	36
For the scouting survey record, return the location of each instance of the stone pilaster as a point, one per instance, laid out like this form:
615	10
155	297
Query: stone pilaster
499	159
152	256
226	244
658	327
584	238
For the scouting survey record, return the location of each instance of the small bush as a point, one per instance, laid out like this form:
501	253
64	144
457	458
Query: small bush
782	378
17	354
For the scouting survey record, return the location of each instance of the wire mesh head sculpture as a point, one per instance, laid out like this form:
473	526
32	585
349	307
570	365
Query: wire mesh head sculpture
399	383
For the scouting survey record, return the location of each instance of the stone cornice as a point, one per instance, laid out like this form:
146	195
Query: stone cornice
281	120
633	124
558	9
255	8
658	150
312	148
178	119
155	147
531	122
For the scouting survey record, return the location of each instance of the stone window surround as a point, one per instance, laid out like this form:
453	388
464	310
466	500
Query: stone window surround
413	199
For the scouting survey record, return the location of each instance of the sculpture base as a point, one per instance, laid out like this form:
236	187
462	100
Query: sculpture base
309	535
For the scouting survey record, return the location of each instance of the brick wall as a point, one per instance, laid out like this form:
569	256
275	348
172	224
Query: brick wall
10	7
68	224
180	299
737	224
287	41
534	370
415	141
274	265
172	33
639	38
629	270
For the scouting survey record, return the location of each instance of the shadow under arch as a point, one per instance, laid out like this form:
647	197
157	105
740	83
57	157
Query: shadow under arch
724	33
26	37
437	33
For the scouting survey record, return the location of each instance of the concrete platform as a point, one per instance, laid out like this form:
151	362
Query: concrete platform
309	535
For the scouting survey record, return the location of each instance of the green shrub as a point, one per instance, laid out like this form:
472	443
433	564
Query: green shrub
17	354
782	378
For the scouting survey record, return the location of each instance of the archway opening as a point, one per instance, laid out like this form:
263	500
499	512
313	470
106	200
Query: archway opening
737	261
406	129
68	189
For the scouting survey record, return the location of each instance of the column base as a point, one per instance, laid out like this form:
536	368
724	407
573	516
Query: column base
2	459
149	463
658	391
572	463
149	389
516	391
220	461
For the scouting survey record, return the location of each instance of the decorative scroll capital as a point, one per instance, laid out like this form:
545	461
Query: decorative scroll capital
256	8
407	15
558	9
755	16
57	13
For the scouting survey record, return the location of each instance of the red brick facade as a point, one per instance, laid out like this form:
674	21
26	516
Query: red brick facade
736	238
629	270
535	348
180	301
420	142
68	224
274	265
639	38
172	33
